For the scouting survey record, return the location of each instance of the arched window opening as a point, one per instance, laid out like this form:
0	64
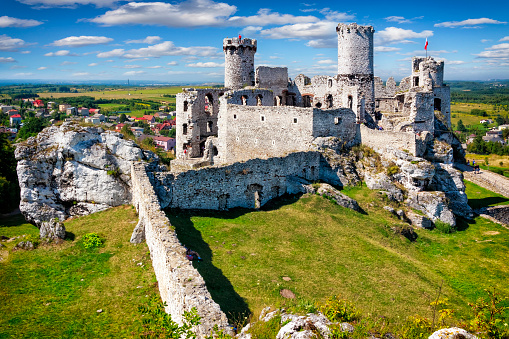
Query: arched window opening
330	101
186	104
330	82
259	100
184	129
437	105
350	102
244	100
209	103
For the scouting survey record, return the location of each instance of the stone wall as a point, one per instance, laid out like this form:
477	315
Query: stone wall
180	284
249	184
380	140
247	132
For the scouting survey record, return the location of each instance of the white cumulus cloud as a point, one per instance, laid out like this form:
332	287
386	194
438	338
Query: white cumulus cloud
394	35
386	49
114	53
68	3
168	48
81	74
10	44
307	31
190	13
326	62
6	60
66	63
7	21
42	68
134	72
80	41
93	64
205	64
500	51
62	52
172	63
147	40
506	38
469	22
266	17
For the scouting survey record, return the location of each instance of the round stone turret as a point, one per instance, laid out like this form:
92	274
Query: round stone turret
355	49
431	68
239	62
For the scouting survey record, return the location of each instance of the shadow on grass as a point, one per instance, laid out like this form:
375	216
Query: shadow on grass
463	224
218	285
485	202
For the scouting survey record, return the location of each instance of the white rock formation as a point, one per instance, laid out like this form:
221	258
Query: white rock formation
73	170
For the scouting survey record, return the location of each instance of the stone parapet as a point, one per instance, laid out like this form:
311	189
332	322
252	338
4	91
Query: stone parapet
180	284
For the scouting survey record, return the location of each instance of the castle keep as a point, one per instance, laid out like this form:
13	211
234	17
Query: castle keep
262	113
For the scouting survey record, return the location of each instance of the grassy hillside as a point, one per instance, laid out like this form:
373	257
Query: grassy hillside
328	250
56	290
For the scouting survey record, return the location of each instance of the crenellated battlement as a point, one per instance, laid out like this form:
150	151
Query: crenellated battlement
236	43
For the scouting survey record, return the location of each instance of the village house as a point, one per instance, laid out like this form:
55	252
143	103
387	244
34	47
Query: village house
71	111
38	103
63	107
12	112
494	136
6	108
15	119
486	121
83	111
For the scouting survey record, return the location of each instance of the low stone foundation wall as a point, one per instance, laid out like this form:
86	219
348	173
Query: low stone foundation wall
180	284
380	140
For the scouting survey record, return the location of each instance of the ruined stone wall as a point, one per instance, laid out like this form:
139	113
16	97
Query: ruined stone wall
387	91
194	122
273	78
180	284
444	94
381	140
250	97
247	132
247	184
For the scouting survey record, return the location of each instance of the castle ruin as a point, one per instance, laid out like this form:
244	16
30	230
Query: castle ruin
262	113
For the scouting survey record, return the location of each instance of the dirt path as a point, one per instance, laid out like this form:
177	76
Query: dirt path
489	180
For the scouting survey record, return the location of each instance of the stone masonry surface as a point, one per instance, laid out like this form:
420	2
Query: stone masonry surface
180	284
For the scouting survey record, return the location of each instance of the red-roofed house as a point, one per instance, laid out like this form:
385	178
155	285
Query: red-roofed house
167	125
150	118
94	111
38	103
13	112
119	127
15	119
165	143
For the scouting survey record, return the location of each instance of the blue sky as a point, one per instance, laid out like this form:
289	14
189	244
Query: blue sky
181	41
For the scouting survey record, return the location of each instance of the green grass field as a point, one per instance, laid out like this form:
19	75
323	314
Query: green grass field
328	250
56	290
149	93
461	111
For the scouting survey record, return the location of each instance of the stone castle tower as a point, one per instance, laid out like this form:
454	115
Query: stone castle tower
239	62
355	61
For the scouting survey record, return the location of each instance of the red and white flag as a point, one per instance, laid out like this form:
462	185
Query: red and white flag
426	45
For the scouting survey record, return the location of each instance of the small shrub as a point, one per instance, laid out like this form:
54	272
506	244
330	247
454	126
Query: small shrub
416	327
33	239
489	317
444	227
391	170
157	323
91	240
114	172
266	330
336	309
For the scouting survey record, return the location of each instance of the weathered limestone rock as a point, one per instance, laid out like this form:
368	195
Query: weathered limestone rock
441	152
450	181
138	235
52	229
24	245
419	220
74	170
340	198
304	327
381	181
433	204
452	333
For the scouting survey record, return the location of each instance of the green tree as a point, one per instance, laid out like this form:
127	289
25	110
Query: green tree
122	118
460	127
9	188
31	127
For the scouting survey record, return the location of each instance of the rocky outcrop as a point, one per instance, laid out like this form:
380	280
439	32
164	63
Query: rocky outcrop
452	333
73	170
52	229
